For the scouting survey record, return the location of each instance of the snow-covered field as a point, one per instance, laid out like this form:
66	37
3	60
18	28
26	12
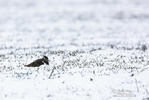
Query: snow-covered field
96	47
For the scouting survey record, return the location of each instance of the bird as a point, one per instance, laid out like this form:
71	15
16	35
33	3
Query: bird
39	62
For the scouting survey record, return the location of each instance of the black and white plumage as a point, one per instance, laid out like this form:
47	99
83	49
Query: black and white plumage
39	62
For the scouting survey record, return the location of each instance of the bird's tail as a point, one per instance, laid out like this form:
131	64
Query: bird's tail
26	66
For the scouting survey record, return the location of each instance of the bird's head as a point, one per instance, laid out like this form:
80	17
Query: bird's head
46	60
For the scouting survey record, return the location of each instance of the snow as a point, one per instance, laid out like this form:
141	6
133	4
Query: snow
113	87
95	46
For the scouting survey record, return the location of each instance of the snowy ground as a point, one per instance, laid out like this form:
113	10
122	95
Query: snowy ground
95	46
